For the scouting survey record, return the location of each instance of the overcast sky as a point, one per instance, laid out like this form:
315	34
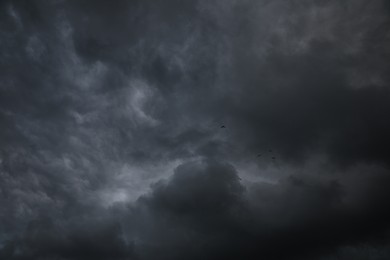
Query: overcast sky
190	129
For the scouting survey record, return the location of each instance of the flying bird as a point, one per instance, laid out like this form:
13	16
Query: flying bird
273	158
222	126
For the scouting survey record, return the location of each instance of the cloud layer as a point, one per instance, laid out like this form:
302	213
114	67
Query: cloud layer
111	137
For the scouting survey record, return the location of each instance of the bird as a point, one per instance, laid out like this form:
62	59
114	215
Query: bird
273	158
222	126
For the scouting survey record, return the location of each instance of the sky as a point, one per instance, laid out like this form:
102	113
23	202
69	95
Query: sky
189	129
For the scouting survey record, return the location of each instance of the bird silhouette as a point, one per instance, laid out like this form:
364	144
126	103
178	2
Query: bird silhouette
222	126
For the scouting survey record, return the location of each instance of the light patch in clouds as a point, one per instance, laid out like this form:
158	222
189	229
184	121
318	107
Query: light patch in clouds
128	182
15	16
139	95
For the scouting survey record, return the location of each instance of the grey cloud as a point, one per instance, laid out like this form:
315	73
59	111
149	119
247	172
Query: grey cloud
204	211
99	100
74	239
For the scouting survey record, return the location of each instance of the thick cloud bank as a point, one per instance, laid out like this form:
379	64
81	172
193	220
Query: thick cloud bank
194	129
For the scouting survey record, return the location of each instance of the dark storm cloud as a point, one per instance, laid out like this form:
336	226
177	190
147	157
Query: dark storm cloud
72	239
306	91
204	212
99	100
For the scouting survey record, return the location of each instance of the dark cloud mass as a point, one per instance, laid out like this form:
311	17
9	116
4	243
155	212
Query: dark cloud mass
194	129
